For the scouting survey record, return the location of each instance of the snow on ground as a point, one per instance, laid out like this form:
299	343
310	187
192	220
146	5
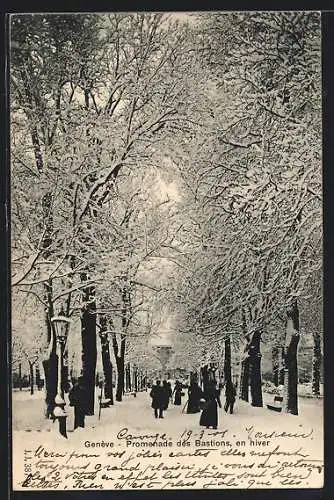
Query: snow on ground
31	430
27	414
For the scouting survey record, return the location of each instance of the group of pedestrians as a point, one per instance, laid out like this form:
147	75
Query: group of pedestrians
211	396
161	396
206	401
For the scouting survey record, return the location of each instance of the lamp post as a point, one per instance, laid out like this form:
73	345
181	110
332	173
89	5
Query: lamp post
60	323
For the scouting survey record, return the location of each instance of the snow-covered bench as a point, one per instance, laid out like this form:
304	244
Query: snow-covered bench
277	404
105	403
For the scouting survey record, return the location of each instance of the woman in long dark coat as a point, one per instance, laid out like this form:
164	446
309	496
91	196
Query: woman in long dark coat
209	416
166	393
194	395
177	391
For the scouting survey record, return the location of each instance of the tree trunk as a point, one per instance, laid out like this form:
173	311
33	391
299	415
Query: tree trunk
120	353
291	367
50	362
227	361
281	366
38	378
65	372
107	371
119	357
275	364
135	379
129	378
126	379
50	370
31	373
89	351
20	376
244	379
244	375
255	369
120	379
316	364
205	377
106	360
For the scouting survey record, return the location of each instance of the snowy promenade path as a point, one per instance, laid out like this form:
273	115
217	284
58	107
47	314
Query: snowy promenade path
136	413
249	435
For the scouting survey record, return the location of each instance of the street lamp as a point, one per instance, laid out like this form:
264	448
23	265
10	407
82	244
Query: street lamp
60	323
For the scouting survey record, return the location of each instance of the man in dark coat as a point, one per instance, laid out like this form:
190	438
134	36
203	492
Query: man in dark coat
194	395
209	416
158	399
77	397
230	394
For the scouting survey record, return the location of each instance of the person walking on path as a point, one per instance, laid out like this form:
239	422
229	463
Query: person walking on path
230	394
158	399
178	393
195	393
170	392
78	400
165	394
209	416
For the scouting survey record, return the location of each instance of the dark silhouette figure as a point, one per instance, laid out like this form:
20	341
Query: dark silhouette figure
78	399
177	391
170	391
158	396
209	416
166	394
230	394
195	393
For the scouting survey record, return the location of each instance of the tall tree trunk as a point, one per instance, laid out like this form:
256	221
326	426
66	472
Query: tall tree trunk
20	376
205	377
244	379
255	369
227	360
135	379
65	371
281	366
290	404
66	379
89	350
275	364
50	371
129	377
120	352
119	357
106	361
31	373
126	378
50	361
316	364
120	379
38	378
244	375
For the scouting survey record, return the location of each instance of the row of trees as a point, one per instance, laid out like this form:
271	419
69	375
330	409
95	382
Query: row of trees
255	227
156	161
95	100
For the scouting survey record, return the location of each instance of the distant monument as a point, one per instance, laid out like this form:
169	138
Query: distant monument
163	353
